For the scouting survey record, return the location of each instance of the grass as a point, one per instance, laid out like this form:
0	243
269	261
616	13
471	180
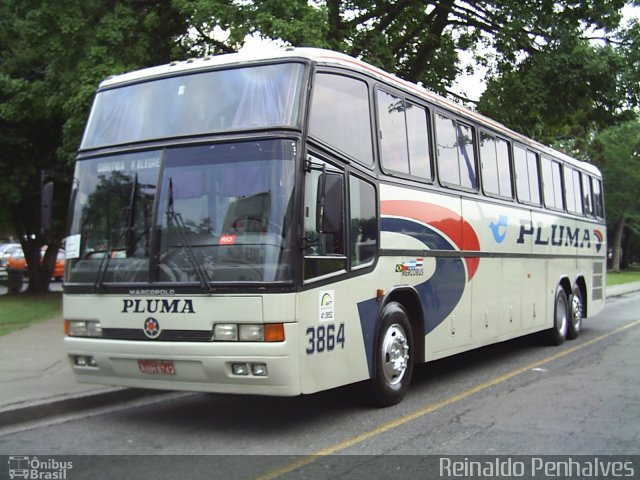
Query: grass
632	274
20	311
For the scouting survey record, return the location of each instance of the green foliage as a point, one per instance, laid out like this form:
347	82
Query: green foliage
53	54
616	151
414	39
568	91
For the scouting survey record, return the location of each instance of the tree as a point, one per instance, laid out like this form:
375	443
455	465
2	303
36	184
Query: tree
569	89
616	151
417	40
53	53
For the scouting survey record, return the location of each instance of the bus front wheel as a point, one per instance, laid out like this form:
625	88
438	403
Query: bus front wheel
558	333
393	357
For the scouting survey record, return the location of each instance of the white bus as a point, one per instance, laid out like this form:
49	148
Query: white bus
290	223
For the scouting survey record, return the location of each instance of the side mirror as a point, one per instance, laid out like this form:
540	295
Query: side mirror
46	207
329	206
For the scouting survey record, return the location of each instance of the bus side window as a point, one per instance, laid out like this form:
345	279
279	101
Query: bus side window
598	204
340	115
527	176
363	222
495	165
572	189
587	199
324	252
456	155
404	136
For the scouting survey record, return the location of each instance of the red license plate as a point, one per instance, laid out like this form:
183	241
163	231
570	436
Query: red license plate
157	367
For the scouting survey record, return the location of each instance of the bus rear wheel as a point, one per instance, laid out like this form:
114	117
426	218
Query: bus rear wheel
576	312
558	333
393	357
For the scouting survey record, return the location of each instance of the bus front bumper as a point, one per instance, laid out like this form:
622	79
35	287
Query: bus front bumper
222	367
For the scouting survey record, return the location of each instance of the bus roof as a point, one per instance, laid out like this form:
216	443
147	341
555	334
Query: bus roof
331	58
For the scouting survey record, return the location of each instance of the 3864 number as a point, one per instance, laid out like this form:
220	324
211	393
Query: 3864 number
324	338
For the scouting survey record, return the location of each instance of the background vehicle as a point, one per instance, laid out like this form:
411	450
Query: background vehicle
287	224
6	249
17	261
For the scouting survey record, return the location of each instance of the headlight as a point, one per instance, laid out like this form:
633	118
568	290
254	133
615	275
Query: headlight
232	332
225	332
83	328
251	333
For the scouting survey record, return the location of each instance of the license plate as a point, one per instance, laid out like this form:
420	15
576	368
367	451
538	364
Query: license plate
157	367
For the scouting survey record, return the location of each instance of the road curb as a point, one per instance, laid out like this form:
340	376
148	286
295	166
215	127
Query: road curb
624	289
37	410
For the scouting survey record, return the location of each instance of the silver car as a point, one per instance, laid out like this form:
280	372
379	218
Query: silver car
6	250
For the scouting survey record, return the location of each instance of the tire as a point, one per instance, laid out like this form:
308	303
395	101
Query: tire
576	312
393	357
558	333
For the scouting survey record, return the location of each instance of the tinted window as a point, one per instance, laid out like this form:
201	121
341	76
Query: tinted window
324	252
552	183
418	134
364	224
527	181
404	136
572	187
598	203
587	199
239	98
394	151
340	115
496	167
456	157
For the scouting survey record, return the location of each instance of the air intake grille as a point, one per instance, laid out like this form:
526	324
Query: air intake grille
165	335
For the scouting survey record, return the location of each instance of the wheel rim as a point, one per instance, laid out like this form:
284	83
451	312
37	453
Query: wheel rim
576	311
395	354
561	315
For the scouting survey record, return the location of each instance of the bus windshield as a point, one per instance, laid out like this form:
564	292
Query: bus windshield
198	214
261	96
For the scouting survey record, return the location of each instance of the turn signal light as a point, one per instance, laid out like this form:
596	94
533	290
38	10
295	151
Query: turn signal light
274	332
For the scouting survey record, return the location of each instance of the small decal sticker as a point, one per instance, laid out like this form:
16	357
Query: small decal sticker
327	305
72	246
411	268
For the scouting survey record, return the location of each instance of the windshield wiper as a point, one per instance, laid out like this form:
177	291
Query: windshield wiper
175	218
126	218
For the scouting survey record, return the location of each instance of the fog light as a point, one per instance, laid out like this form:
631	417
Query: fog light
259	369
84	361
239	369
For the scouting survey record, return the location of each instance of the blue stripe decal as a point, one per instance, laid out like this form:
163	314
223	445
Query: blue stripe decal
439	295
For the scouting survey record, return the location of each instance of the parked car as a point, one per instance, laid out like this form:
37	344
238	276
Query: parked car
17	261
6	249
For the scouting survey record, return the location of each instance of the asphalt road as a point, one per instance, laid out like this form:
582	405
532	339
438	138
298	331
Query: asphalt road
515	398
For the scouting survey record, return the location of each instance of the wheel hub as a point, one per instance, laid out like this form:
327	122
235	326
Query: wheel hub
395	354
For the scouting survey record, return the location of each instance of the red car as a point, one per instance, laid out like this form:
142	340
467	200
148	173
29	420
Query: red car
17	261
